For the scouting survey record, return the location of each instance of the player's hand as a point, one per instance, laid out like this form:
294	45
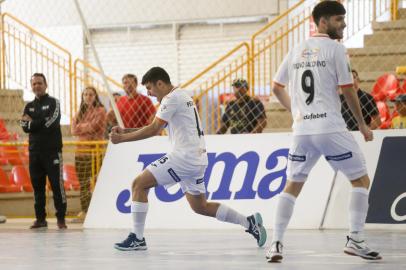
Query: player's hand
26	117
366	132
116	137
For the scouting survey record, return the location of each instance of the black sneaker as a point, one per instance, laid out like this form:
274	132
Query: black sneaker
61	225
256	228
38	224
132	243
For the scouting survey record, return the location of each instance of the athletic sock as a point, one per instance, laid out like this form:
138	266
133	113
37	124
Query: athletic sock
284	210
226	214
139	213
358	210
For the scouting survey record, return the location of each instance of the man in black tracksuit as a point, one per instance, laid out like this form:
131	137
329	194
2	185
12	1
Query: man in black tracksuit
41	120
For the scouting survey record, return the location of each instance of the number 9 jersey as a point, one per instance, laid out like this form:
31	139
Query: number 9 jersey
314	69
184	128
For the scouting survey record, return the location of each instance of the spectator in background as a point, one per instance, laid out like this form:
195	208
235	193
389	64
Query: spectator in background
243	115
116	96
369	109
136	110
89	124
41	120
399	122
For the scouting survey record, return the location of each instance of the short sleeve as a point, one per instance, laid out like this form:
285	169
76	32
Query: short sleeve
343	67
282	76
168	108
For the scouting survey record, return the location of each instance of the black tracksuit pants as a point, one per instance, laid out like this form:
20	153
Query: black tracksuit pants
42	165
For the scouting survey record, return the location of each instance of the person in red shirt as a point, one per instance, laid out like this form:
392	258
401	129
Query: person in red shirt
136	110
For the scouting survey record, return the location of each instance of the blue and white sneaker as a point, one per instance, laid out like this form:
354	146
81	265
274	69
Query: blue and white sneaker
256	228
132	243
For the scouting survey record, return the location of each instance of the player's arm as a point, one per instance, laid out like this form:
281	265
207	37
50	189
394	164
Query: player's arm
280	80
152	129
280	93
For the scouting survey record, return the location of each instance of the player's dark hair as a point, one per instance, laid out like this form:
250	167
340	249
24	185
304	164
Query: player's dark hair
155	74
327	9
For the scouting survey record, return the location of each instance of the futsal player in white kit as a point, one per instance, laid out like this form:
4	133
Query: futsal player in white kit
313	71
185	164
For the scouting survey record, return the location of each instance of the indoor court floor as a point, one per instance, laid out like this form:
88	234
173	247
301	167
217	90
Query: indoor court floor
77	248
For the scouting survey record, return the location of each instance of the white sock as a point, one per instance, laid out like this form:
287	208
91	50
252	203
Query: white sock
226	214
358	212
284	210
139	213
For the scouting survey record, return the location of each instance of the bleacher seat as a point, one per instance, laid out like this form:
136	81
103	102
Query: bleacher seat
10	155
6	186
70	177
385	87
21	177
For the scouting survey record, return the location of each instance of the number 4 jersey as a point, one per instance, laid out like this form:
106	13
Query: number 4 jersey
184	128
314	70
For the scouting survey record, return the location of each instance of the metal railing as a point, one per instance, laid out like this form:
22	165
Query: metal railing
25	51
215	81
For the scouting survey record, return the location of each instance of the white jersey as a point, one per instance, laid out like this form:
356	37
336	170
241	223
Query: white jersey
314	70
184	128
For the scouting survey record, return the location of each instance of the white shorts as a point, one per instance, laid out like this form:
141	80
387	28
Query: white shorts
340	150
169	171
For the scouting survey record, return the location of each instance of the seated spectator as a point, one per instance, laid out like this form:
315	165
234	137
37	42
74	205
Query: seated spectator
89	124
369	109
399	122
136	110
243	115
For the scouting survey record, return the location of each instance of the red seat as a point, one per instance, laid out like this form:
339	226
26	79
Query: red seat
70	177
226	98
21	177
6	186
10	155
386	86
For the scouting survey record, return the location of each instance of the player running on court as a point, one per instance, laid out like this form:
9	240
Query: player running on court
313	70
185	164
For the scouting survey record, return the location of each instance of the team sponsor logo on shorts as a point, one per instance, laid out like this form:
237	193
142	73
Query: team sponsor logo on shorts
174	176
297	158
340	157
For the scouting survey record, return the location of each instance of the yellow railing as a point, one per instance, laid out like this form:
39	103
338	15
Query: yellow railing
215	81
84	75
271	43
25	51
16	153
